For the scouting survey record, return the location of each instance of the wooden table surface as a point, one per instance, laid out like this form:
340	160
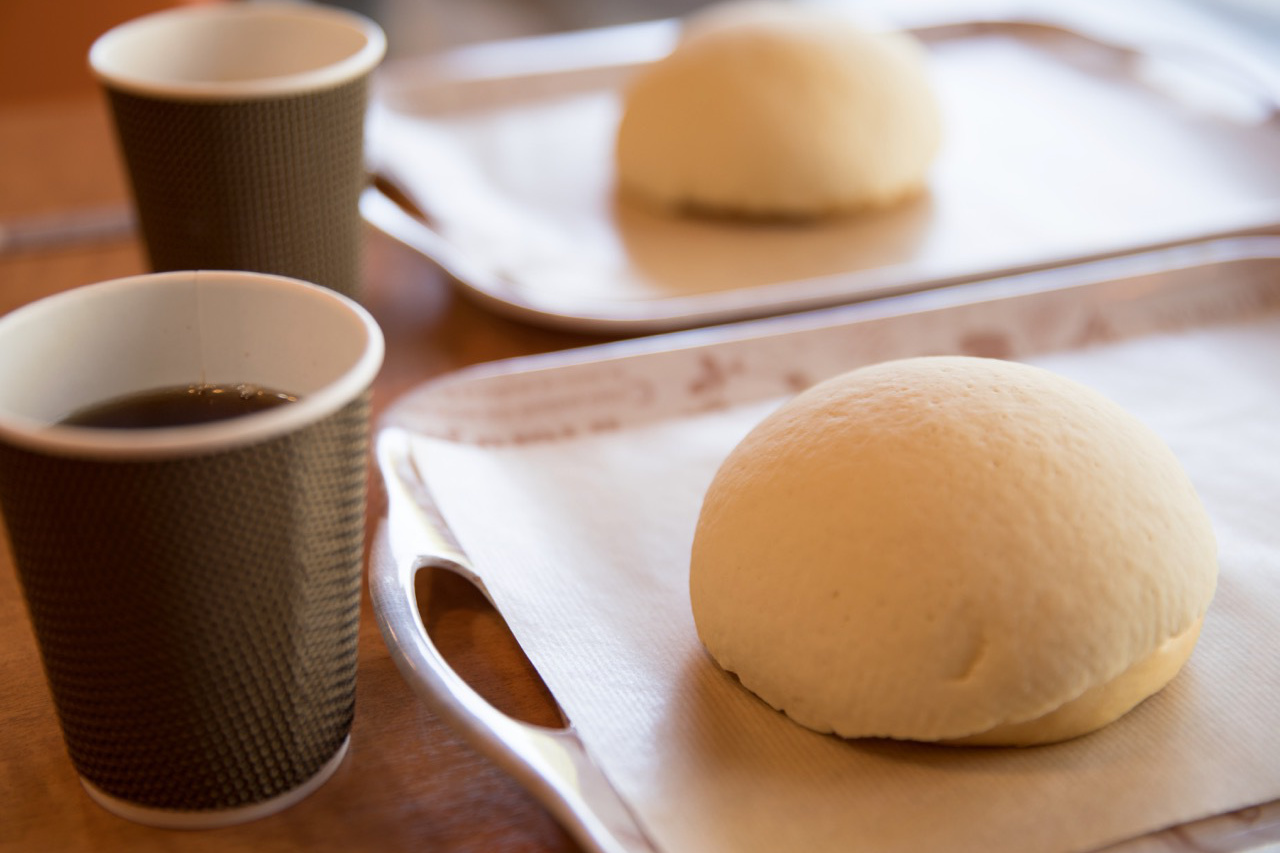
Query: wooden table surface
409	783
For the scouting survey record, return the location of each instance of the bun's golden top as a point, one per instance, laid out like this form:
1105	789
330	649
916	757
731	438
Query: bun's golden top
779	110
947	548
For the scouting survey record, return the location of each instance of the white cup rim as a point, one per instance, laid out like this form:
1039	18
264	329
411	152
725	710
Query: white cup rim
51	438
111	55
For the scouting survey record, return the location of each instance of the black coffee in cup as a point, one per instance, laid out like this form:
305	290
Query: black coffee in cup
178	406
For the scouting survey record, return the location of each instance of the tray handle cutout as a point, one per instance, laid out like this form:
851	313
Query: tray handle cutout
552	763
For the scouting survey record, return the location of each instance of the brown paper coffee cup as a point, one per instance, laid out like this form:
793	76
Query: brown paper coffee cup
242	130
194	591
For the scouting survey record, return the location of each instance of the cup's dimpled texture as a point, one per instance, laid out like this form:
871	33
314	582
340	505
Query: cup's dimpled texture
197	617
270	185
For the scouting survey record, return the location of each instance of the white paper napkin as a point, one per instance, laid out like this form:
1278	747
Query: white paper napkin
584	543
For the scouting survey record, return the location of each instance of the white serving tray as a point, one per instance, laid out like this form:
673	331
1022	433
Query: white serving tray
1059	147
475	485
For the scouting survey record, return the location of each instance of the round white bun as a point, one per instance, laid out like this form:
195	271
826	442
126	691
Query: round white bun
780	110
952	549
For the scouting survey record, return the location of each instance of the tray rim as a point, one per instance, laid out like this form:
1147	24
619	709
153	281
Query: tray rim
1085	275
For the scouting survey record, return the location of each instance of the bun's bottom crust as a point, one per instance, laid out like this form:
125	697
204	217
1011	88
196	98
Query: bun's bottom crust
1099	705
765	211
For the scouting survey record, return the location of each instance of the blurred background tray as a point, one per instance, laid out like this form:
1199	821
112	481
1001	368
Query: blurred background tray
1059	146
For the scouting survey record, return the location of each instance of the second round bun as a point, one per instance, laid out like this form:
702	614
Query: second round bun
952	549
779	110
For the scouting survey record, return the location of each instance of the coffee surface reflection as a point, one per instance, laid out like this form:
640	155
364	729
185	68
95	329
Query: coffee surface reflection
185	405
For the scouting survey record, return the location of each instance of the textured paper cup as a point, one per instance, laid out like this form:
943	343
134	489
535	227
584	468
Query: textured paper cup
242	129
195	591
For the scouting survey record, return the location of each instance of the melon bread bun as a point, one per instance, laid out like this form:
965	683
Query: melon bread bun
779	110
952	549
